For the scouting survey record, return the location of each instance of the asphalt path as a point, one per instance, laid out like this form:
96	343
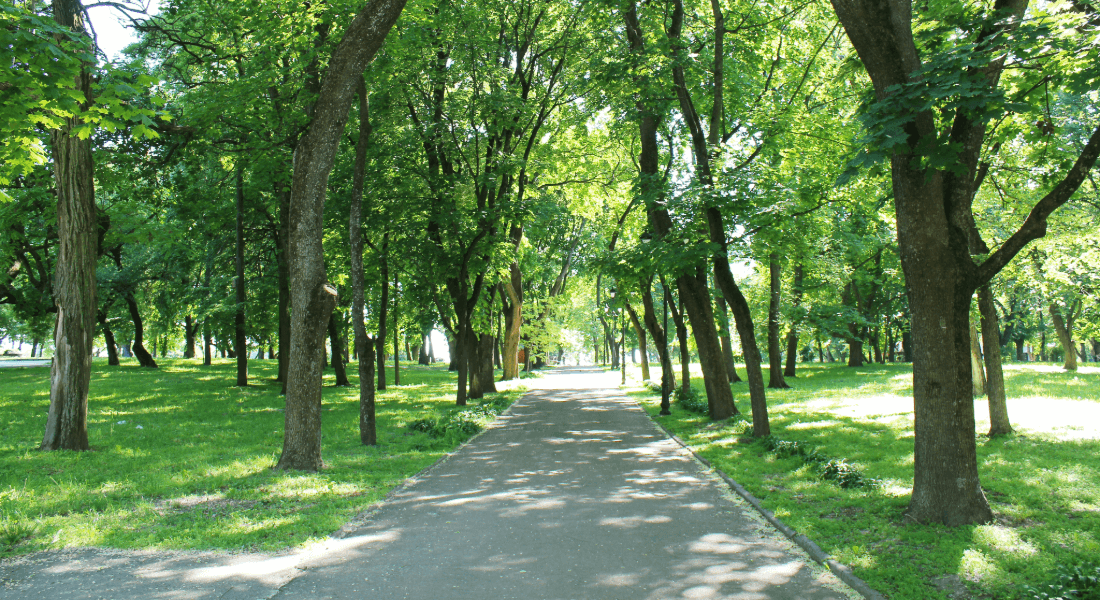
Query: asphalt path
573	493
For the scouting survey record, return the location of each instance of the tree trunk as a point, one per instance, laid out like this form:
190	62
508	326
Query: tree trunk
207	343
396	338
1064	329
775	358
724	337
240	339
364	346
283	265
639	330
74	285
513	320
976	366
311	298
792	333
138	347
383	308
660	338
189	327
995	383
337	351
682	338
109	340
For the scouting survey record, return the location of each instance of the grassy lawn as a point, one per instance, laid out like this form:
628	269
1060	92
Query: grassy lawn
182	459
1043	483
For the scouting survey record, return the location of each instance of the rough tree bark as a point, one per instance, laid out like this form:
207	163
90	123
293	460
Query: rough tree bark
189	327
74	280
724	337
364	346
976	364
639	330
933	214
311	297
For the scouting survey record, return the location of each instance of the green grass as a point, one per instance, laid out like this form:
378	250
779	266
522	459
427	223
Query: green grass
181	459
1043	483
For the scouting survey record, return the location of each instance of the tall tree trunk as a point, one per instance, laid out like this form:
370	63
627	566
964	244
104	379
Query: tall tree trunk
775	358
364	346
240	339
74	279
337	351
311	297
513	321
995	383
283	265
396	337
1064	329
138	347
724	337
682	338
660	338
383	308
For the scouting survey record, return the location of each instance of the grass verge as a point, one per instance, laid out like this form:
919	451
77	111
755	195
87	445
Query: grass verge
181	458
1043	483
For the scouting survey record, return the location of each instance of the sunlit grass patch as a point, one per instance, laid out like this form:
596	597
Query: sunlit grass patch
181	458
1043	483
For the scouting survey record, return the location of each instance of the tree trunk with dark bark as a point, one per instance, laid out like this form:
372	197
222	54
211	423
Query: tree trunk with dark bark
138	347
682	339
74	285
792	333
108	339
207	343
639	330
775	357
283	266
311	297
336	344
727	343
976	363
189	327
240	334
383	309
364	346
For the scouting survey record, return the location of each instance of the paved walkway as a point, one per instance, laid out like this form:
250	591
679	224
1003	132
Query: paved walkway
573	493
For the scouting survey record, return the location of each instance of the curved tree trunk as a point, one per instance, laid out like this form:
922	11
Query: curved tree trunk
660	338
682	338
639	330
775	356
513	320
109	339
189	327
138	347
311	298
74	280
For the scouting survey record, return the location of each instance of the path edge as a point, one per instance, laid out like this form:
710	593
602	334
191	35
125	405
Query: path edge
842	571
363	516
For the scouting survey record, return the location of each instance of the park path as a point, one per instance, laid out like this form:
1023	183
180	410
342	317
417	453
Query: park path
573	493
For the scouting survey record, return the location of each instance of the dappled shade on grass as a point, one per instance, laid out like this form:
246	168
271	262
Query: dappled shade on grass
181	458
1043	484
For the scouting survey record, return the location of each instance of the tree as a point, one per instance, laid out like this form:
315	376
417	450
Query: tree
312	298
934	152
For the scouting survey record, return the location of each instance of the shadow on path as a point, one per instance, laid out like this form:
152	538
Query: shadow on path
573	493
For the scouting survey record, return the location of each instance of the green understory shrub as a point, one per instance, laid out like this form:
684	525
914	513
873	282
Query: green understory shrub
462	423
843	473
692	401
1078	582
